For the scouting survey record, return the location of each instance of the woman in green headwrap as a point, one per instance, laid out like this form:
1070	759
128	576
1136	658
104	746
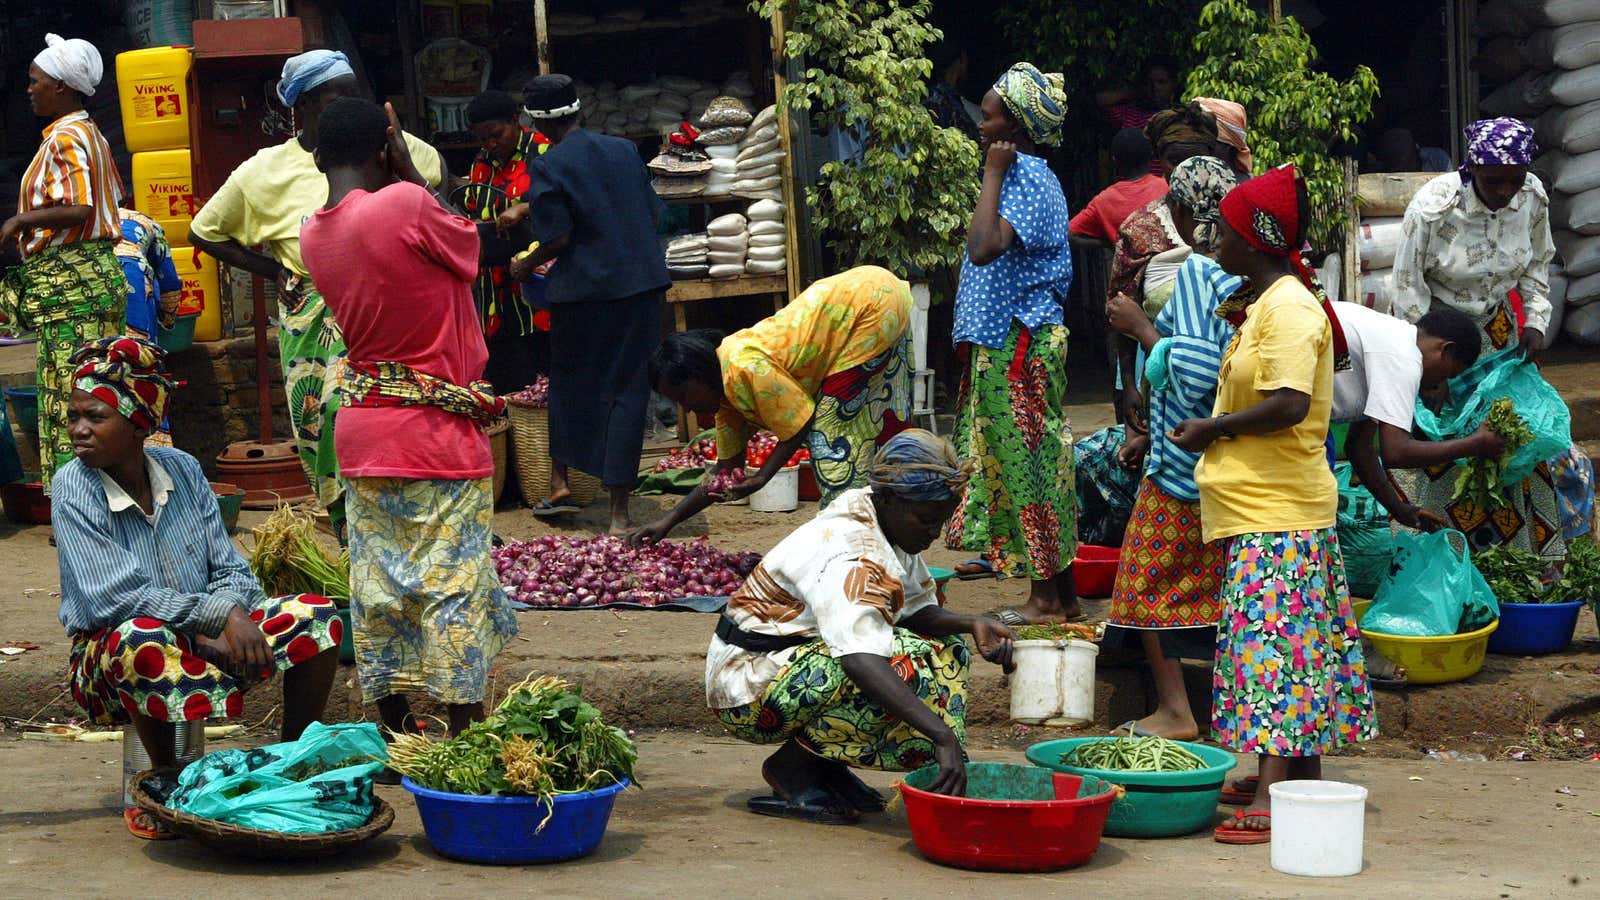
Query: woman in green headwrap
1018	511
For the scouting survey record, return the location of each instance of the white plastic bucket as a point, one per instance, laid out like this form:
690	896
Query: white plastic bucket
1077	682
1036	683
781	494
1318	827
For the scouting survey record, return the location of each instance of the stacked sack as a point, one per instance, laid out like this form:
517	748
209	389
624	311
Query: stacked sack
680	169
759	160
768	245
1547	54
688	256
727	242
1377	242
655	106
726	120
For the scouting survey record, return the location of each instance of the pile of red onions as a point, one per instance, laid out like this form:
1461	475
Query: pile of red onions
694	456
536	395
560	571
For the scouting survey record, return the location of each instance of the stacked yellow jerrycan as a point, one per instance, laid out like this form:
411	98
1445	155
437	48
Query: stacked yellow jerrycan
153	88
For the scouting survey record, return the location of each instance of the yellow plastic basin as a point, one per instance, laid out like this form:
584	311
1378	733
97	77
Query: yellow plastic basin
1431	660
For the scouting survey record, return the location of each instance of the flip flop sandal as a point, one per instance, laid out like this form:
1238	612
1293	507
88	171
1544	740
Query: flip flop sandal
1241	792
1008	617
852	790
544	509
1132	728
1229	833
153	832
986	570
814	804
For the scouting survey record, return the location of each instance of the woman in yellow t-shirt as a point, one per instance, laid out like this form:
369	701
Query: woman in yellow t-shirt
1290	682
830	372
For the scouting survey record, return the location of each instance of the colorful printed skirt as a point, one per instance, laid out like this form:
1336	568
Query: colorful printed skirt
857	411
144	666
1019	510
1497	328
1106	489
311	348
1531	520
813	701
1169	576
426	605
72	294
1290	679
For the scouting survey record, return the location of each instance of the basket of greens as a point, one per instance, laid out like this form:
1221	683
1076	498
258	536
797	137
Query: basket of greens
1535	620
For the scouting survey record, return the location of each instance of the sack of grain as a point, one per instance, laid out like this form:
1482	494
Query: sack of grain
1525	96
765	254
754	185
1580	254
1568	173
765	267
724	111
759	136
765	117
1377	242
728	135
1579	213
1583	325
765	228
1557	12
728	225
1574	130
1558	307
1377	290
1567	47
1583	291
765	211
1567	88
1502	17
758	241
1500	60
759	173
760	155
725	151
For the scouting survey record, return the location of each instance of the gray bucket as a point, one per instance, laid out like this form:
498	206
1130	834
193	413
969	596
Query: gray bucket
188	737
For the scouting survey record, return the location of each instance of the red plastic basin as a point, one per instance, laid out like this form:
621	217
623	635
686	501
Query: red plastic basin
1013	819
25	503
1094	572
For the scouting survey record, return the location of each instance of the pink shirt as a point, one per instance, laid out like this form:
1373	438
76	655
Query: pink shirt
397	271
1104	215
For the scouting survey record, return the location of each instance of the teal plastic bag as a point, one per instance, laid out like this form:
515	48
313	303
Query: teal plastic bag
320	783
1432	589
1364	534
1503	374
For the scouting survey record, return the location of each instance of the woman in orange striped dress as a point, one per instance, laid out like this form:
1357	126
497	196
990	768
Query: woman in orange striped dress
70	286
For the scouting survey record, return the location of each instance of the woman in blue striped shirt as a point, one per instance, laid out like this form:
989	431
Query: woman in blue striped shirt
167	622
1169	582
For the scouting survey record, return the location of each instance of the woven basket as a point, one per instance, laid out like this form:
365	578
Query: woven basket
258	843
500	448
530	444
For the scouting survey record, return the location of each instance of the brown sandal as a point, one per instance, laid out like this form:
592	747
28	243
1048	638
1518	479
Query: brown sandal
155	831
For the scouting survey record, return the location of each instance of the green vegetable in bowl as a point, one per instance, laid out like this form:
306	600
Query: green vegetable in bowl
1580	578
1133	754
1513	574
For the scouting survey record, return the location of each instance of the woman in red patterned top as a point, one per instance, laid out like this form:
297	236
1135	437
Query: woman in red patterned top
517	334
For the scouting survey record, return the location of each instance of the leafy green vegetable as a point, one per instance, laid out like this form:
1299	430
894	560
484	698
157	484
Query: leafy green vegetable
1479	480
1131	754
1513	574
542	740
1580	578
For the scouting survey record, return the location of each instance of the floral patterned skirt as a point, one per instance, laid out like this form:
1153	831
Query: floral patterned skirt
1168	577
858	410
815	702
311	348
1019	510
1290	678
427	608
144	666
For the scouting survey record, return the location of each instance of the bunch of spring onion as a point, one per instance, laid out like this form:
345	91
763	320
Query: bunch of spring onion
287	559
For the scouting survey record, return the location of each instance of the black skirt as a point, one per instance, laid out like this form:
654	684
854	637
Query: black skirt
599	383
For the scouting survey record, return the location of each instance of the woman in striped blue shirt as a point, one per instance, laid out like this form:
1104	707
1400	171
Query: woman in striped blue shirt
1169	582
167	622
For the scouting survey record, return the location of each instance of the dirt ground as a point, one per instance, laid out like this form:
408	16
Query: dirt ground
1432	829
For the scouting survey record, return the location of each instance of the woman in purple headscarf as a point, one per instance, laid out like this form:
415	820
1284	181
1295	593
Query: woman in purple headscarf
1475	238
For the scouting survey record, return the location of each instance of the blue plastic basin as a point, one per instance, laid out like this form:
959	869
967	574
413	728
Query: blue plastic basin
1531	629
505	830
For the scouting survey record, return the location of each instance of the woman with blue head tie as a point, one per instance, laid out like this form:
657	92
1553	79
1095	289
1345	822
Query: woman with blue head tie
836	647
262	205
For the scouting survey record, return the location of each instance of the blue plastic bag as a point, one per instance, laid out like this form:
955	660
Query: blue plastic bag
1503	374
1432	589
320	783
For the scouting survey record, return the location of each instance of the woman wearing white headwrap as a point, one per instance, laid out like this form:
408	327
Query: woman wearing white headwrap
263	204
70	285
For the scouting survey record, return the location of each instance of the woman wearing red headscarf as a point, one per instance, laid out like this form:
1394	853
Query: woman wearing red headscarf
1290	683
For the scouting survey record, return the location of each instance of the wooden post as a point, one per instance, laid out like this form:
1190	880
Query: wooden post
791	196
1351	288
541	36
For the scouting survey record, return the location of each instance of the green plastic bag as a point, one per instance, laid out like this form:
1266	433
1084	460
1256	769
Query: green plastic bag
1364	534
1503	374
322	782
1432	589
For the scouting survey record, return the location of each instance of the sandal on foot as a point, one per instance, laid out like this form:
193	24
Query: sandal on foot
154	831
814	804
862	797
544	509
985	570
1230	833
1132	728
1011	618
1241	792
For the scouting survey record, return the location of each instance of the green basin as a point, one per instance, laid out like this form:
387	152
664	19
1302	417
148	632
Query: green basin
1158	804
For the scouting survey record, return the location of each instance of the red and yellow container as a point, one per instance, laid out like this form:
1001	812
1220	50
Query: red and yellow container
163	189
201	291
152	89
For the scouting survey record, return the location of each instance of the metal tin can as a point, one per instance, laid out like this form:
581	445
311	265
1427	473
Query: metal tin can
188	737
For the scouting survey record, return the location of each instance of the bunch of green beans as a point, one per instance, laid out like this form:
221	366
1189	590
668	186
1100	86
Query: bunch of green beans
1131	754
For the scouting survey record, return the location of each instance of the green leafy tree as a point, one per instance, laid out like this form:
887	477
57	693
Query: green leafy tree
903	206
1297	113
